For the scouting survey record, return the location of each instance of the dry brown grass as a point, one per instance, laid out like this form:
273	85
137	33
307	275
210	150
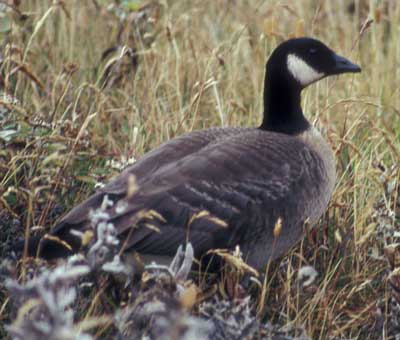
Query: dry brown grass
201	64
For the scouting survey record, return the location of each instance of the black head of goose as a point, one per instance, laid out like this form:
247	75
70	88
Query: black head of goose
222	187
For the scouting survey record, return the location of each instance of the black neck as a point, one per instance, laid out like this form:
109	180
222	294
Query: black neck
282	105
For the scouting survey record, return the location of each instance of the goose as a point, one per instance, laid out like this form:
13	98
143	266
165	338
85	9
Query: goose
225	187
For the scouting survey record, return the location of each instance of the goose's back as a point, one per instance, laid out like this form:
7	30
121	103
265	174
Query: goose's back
217	189
168	152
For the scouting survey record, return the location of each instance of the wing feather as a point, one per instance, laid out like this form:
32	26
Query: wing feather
244	182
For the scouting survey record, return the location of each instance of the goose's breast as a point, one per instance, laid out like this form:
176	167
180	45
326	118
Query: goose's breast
321	173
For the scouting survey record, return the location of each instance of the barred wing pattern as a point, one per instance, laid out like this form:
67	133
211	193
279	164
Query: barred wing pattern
227	192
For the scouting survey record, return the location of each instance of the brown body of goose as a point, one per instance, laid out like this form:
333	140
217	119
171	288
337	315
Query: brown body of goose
246	179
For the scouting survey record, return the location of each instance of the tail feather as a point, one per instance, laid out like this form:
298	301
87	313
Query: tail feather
33	242
49	248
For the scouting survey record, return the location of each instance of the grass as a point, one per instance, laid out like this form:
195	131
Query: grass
194	65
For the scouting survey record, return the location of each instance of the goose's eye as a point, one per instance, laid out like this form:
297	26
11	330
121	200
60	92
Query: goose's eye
313	50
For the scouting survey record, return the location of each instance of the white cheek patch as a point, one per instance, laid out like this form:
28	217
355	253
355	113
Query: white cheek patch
301	71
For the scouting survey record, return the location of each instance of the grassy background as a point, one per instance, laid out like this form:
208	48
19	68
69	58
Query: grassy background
195	64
